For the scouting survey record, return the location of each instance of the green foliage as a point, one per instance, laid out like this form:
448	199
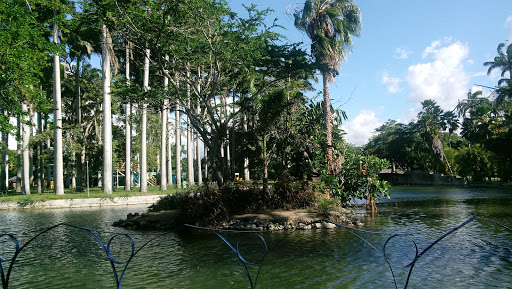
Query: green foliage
420	145
211	206
354	175
502	61
325	206
329	25
24	54
289	193
475	162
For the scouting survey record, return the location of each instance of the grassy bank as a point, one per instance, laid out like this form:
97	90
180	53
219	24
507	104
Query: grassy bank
12	196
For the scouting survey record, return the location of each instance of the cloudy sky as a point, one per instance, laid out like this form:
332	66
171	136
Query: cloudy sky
409	51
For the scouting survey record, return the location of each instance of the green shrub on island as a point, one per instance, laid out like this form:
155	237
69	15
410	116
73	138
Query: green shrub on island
354	174
212	206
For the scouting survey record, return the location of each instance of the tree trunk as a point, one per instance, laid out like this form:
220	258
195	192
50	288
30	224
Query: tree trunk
128	129
72	172
232	163
163	144
143	162
30	148
84	161
198	156
216	162
370	203
327	118
246	159
206	163
25	149
198	152
18	161
100	180
40	171
169	134
190	141
178	146
265	165
80	138
163	147
107	114
227	167
169	151
48	166
58	165
67	179
4	174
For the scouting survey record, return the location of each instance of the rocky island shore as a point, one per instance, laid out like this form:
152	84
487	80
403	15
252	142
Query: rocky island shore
275	220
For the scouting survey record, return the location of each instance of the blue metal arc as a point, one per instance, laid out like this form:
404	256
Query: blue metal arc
93	232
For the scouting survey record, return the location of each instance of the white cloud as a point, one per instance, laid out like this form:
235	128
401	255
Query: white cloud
410	114
480	73
362	127
444	79
476	88
402	53
495	75
392	83
431	48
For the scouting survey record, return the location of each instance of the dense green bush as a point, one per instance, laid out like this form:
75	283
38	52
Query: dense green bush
353	175
211	206
289	193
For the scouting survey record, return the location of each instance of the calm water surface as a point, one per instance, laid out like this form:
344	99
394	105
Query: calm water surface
477	256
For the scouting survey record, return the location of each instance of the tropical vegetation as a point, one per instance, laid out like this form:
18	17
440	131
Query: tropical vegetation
191	93
481	149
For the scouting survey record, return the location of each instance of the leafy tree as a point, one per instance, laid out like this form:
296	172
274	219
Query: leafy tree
24	46
475	162
431	121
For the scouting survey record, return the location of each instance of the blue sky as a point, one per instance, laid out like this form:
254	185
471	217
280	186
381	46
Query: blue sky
408	51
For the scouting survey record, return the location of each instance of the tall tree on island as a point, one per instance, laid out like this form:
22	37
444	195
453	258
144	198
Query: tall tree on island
329	24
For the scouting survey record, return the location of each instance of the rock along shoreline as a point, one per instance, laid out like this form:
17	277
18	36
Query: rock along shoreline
277	220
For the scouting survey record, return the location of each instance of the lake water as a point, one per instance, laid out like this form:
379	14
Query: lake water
479	255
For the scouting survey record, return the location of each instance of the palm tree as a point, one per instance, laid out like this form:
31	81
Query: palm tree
58	173
504	62
177	136
143	151
106	45
329	24
163	147
25	148
80	40
4	174
128	129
